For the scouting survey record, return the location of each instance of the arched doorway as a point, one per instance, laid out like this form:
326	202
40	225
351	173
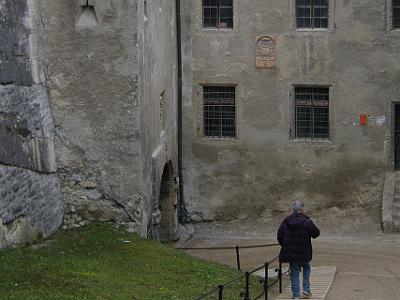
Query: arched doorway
167	205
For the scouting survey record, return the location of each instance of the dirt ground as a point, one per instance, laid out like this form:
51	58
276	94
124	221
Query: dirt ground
368	264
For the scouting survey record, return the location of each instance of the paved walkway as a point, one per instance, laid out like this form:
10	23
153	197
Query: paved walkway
321	280
368	266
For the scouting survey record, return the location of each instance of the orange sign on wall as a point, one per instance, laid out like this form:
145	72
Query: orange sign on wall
363	120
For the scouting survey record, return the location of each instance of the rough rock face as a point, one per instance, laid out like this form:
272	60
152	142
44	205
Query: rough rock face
30	203
26	128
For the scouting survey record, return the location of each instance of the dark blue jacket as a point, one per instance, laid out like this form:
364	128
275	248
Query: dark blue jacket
294	236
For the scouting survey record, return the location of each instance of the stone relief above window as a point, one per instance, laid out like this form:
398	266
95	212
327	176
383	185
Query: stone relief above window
265	52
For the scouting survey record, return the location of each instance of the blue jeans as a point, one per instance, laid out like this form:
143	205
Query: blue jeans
294	278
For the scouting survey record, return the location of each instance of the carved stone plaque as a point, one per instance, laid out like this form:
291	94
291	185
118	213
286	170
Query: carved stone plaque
265	53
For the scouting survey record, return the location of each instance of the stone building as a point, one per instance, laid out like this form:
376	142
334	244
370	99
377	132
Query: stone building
286	99
88	116
276	100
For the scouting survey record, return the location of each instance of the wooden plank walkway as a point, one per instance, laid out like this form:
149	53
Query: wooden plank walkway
320	280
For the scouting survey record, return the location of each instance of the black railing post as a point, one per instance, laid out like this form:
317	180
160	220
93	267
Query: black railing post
266	281
247	288
238	257
220	292
280	277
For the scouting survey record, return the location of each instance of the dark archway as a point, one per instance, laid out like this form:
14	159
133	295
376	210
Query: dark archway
167	205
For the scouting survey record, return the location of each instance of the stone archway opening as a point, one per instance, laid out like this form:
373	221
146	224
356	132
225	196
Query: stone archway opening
167	205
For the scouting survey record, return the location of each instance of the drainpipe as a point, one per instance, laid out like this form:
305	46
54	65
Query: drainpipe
182	209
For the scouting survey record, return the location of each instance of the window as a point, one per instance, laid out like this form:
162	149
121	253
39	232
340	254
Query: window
218	13
219	111
396	13
312	13
312	112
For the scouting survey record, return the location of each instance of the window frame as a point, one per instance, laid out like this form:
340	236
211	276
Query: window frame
294	127
392	9
218	16
202	119
312	17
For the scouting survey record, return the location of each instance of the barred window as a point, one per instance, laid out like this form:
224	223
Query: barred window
218	13
396	13
312	112
312	13
219	111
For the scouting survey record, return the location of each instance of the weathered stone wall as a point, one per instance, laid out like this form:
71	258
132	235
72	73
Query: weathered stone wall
30	203
158	103
259	173
110	72
110	69
88	56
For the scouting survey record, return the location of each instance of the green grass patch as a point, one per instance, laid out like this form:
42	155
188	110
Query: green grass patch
97	262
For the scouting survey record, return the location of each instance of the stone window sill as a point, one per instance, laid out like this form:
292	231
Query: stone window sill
313	30
217	29
311	142
223	141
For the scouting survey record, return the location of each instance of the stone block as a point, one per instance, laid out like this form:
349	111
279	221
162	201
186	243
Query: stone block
93	194
26	128
31	205
14	49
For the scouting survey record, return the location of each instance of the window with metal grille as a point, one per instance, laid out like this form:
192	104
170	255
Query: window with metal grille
312	112
396	13
219	111
312	13
218	13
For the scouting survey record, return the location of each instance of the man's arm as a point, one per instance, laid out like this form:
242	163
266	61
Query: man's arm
280	234
313	230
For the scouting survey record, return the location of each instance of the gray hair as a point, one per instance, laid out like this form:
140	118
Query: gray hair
297	205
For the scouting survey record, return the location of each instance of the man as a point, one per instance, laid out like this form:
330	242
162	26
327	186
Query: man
294	236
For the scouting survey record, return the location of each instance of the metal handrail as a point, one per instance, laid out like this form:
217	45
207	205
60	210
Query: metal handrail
237	248
246	294
228	247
